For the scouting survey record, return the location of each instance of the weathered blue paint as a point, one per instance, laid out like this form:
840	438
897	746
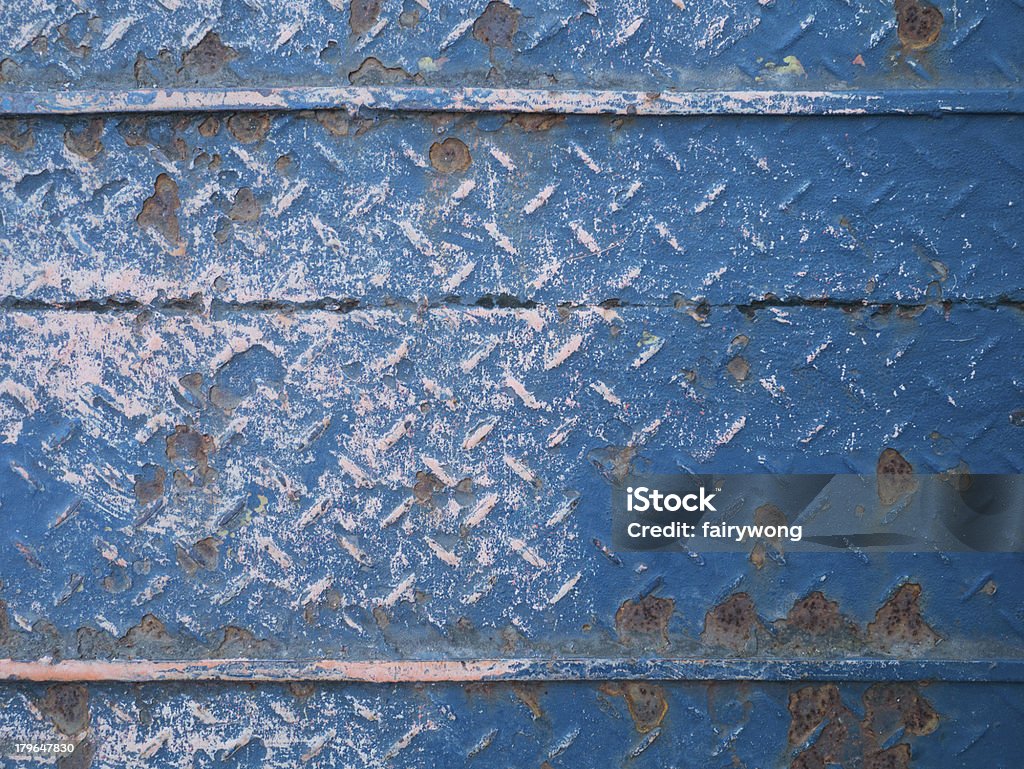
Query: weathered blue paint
336	397
561	724
317	511
716	44
930	101
723	210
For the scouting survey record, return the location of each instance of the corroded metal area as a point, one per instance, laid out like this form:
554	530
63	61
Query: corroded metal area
326	330
321	210
364	480
637	45
541	724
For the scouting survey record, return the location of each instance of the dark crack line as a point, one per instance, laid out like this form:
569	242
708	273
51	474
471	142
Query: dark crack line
216	307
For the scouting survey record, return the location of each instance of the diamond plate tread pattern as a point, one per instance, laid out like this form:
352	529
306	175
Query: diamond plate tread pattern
318	208
637	44
389	482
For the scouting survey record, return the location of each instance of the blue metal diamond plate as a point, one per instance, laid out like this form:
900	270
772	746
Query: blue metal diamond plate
635	45
327	329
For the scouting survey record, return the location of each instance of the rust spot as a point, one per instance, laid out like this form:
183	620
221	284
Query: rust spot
245	208
5	623
150	72
646	702
450	156
93	644
117	581
833	747
614	462
895	477
766	515
899	624
373	72
67	706
531	122
644	620
192	384
192	449
223	230
160	212
208	57
134	130
733	624
239	642
86	141
427	484
301	689
362	15
497	25
889	708
149	630
149	489
510	640
918	23
334	121
529	695
699	309
808	708
63	33
186	443
209	127
739	368
896	757
85	752
17	135
207	552
284	165
186	562
204	554
249	127
960	477
815	614
9	69
221	397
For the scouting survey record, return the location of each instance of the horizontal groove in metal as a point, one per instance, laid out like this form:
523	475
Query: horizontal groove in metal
590	102
564	669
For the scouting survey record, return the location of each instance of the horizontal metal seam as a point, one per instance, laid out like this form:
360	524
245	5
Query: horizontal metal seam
476	99
112	306
562	669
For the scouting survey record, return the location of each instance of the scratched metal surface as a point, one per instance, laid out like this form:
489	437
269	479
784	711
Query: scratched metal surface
639	44
309	419
414	482
307	208
552	725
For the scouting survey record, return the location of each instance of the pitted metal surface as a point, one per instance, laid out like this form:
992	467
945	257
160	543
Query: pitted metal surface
322	210
335	481
326	330
881	725
635	45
